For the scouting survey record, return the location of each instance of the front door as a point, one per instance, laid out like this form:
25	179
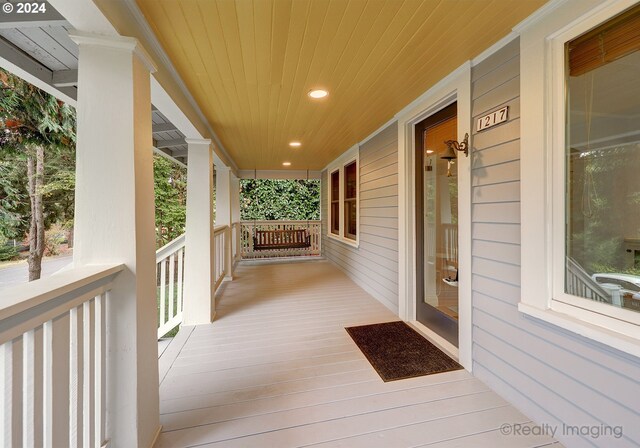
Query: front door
437	225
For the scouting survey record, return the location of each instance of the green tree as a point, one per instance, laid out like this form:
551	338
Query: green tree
35	126
279	199
170	191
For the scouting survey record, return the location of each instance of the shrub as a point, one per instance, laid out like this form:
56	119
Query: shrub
7	252
52	240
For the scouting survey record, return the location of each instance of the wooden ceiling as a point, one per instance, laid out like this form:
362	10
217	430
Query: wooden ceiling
250	64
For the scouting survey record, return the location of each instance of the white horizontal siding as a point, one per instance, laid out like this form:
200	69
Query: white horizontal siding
374	264
552	375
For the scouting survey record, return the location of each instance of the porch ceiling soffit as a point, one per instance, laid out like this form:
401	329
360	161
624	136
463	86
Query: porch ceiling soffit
37	48
250	65
115	17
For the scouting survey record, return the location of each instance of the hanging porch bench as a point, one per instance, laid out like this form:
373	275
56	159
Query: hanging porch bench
281	239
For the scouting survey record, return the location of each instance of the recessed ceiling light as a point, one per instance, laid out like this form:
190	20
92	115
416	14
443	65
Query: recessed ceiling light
286	163
295	144
318	93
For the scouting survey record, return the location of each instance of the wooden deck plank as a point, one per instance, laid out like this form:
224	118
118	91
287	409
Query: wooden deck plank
277	369
379	408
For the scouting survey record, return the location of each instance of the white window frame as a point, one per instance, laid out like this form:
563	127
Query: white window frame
351	155
542	86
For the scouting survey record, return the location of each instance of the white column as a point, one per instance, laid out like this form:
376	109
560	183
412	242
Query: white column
235	213
223	213
223	196
114	223
199	304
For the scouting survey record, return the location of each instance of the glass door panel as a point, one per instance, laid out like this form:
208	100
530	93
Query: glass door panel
437	225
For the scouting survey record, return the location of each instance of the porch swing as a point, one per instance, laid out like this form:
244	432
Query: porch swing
281	238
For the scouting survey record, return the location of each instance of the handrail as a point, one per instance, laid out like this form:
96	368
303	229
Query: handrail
27	296
278	221
218	229
170	248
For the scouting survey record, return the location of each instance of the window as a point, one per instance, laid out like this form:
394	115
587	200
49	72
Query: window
350	196
580	144
335	202
343	197
602	190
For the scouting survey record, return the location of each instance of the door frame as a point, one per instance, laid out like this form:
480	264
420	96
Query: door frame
454	87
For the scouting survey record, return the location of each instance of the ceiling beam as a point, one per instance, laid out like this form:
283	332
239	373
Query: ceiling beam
64	78
179	152
163	127
167	155
19	63
170	143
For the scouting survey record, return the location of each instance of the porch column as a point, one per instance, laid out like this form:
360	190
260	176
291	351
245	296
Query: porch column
199	305
235	214
114	223
223	212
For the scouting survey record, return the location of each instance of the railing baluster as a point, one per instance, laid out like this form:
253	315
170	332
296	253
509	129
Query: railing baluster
6	394
163	297
86	374
98	370
172	279
47	384
180	277
28	389
74	380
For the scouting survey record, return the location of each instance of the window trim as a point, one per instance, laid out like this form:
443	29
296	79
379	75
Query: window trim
349	156
345	232
331	201
543	178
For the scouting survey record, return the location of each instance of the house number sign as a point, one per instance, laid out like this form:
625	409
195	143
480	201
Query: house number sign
492	119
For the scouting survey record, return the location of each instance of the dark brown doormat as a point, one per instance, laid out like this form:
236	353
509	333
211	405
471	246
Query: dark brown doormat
397	351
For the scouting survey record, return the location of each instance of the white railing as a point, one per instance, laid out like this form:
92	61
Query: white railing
222	255
170	281
53	359
579	283
235	240
170	275
249	227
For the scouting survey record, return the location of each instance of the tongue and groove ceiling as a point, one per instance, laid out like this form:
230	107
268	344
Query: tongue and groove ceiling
250	64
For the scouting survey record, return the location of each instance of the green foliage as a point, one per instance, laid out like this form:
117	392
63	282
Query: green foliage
14	197
7	252
607	268
604	207
30	117
170	188
273	199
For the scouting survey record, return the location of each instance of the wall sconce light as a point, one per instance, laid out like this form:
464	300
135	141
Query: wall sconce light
453	147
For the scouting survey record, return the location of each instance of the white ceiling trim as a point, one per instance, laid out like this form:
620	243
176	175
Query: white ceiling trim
279	174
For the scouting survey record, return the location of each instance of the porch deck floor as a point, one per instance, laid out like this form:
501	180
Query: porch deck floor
277	369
